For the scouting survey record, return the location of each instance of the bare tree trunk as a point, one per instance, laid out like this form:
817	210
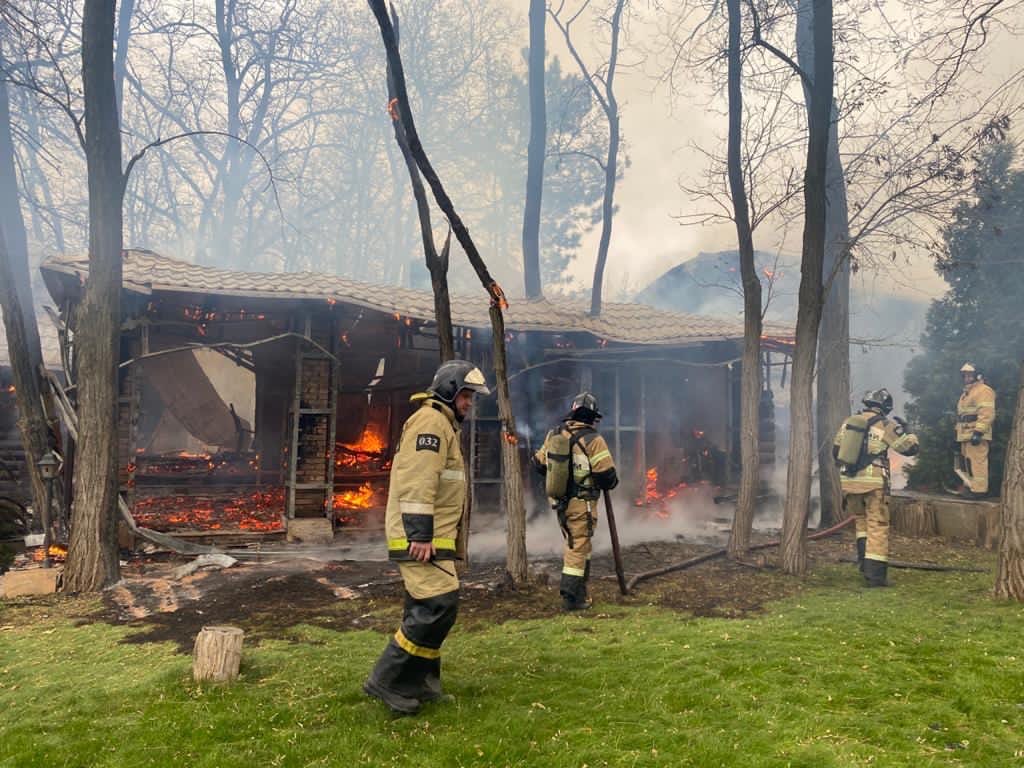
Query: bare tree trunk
124	32
31	417
436	265
18	306
607	211
535	152
512	476
510	459
610	107
92	555
750	381
834	335
833	365
28	109
798	477
1010	576
611	166
14	233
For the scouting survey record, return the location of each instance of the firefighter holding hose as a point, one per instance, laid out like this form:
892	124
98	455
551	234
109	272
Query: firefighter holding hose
577	466
861	450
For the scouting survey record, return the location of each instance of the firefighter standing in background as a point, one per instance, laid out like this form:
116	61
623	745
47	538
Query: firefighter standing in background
424	511
861	449
590	471
975	414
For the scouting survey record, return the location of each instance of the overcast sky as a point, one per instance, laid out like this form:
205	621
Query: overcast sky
660	131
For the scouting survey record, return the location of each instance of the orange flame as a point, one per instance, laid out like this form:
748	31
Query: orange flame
653	497
57	551
360	498
368	449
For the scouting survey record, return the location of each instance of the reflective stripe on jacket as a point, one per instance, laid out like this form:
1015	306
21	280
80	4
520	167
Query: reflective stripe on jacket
427	484
882	436
975	411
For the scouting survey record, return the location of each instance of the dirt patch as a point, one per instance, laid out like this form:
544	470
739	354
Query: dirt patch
270	600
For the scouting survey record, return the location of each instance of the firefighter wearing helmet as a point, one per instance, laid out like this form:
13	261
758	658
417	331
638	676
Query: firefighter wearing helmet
424	512
861	450
975	415
577	466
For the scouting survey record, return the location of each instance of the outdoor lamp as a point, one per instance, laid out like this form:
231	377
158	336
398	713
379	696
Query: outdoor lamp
48	466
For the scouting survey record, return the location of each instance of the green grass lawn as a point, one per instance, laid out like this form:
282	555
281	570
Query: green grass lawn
928	673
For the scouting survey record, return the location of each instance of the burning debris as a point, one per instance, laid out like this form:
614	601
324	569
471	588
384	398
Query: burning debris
58	554
261	510
655	499
366	454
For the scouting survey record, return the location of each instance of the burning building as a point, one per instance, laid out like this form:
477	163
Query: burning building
250	400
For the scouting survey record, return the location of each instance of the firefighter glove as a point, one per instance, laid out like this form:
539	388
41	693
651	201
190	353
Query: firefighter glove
913	450
901	425
976	438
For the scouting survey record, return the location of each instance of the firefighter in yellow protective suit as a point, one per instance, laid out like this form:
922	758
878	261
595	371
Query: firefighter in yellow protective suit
424	511
861	449
592	471
975	414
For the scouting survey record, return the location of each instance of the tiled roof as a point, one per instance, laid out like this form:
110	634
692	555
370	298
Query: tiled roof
147	272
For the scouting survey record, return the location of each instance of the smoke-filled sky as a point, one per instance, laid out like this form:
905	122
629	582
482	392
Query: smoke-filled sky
662	126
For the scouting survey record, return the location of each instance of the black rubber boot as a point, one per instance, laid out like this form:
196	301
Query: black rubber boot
574	593
402	705
875	572
862	545
432	688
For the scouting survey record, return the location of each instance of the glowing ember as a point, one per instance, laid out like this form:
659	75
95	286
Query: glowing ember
255	511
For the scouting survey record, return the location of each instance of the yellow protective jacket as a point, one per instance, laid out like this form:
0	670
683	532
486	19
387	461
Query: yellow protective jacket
975	411
882	435
428	483
593	469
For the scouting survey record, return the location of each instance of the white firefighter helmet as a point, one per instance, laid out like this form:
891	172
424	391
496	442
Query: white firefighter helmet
972	369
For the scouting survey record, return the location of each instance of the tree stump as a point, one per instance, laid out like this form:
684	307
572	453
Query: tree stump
217	654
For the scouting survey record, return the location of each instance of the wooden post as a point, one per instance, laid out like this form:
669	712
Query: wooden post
217	654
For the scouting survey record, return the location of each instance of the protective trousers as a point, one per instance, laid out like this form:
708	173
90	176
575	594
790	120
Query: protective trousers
581	519
411	663
871	517
977	464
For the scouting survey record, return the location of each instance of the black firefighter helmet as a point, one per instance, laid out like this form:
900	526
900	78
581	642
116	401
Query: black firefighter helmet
878	398
453	377
584	408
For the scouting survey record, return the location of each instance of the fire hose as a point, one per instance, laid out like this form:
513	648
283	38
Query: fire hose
721	553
